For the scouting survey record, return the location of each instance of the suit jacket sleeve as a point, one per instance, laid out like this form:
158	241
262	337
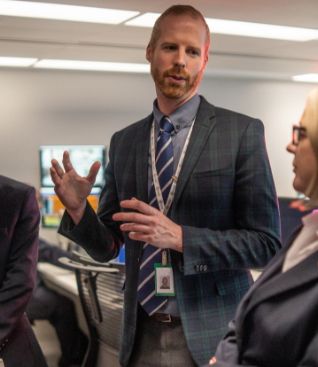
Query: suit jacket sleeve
309	359
227	349
20	273
252	235
99	235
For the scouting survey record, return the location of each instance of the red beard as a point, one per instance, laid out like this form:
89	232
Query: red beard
175	90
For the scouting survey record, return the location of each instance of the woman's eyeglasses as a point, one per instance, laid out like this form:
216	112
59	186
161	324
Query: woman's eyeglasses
299	133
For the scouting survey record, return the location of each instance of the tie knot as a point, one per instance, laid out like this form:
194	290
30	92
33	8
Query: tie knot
166	125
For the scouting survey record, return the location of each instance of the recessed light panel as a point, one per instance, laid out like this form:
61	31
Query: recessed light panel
144	20
237	28
260	30
64	12
311	78
17	61
93	66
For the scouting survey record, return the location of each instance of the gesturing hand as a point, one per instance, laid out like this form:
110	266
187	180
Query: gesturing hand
149	225
71	188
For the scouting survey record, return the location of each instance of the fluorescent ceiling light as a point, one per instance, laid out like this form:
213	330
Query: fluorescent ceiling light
236	28
144	20
259	30
17	61
64	12
93	66
312	78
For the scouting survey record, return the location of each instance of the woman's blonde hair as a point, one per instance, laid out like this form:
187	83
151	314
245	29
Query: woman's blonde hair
311	120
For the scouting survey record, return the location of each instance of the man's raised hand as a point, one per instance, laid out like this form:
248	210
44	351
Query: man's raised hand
71	188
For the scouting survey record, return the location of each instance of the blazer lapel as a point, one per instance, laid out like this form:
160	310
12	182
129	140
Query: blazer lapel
275	282
254	296
203	125
142	154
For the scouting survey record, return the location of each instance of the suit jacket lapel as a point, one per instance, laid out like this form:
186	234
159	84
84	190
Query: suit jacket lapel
202	128
142	153
253	297
276	282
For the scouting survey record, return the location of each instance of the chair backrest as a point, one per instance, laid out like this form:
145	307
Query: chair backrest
100	290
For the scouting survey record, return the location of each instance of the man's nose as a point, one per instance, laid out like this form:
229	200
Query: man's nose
180	59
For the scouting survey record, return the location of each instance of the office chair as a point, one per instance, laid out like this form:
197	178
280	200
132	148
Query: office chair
100	290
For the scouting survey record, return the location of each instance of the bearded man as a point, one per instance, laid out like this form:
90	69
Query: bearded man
189	191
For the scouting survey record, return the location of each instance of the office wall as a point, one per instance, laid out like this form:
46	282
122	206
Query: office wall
60	107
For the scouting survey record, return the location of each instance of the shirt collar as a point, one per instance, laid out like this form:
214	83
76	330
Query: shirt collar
311	220
182	116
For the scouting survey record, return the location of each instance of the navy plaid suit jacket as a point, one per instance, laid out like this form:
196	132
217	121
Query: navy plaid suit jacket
226	204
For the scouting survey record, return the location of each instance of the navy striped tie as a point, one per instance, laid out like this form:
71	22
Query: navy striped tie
152	255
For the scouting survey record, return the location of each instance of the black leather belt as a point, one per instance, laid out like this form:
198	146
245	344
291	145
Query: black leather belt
163	317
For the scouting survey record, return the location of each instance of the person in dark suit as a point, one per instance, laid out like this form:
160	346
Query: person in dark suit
19	227
223	218
276	322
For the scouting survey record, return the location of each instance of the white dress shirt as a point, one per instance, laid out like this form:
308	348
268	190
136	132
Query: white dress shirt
305	244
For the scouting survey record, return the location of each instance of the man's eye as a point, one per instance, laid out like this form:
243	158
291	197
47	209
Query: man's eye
170	47
193	52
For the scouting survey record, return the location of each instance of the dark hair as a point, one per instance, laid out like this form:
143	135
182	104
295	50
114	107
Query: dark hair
177	10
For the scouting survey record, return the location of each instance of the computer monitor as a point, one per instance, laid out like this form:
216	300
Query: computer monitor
52	209
82	158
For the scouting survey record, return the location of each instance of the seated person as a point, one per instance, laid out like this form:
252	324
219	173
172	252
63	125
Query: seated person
19	231
46	304
276	322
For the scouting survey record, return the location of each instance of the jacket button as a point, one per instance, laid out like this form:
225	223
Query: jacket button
201	267
197	268
205	268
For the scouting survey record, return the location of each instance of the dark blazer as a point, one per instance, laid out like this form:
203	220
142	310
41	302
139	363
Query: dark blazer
226	204
19	226
276	324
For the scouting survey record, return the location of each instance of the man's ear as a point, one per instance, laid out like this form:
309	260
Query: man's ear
149	53
206	58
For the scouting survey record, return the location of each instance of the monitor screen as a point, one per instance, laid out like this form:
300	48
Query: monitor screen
82	157
52	209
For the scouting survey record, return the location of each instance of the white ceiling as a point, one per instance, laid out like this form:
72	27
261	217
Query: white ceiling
229	55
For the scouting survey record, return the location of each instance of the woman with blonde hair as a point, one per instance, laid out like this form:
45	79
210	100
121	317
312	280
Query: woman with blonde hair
276	323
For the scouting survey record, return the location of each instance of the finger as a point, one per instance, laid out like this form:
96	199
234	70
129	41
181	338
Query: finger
138	205
135	227
54	176
212	360
131	217
58	169
93	172
67	162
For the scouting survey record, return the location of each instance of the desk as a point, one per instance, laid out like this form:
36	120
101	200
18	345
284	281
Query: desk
63	281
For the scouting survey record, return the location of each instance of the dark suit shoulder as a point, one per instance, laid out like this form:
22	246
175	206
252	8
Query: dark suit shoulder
14	196
134	127
12	191
7	183
223	114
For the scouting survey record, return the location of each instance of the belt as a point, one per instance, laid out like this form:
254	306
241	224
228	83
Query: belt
163	317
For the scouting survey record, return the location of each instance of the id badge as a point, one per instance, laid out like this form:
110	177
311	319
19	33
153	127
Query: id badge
164	280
